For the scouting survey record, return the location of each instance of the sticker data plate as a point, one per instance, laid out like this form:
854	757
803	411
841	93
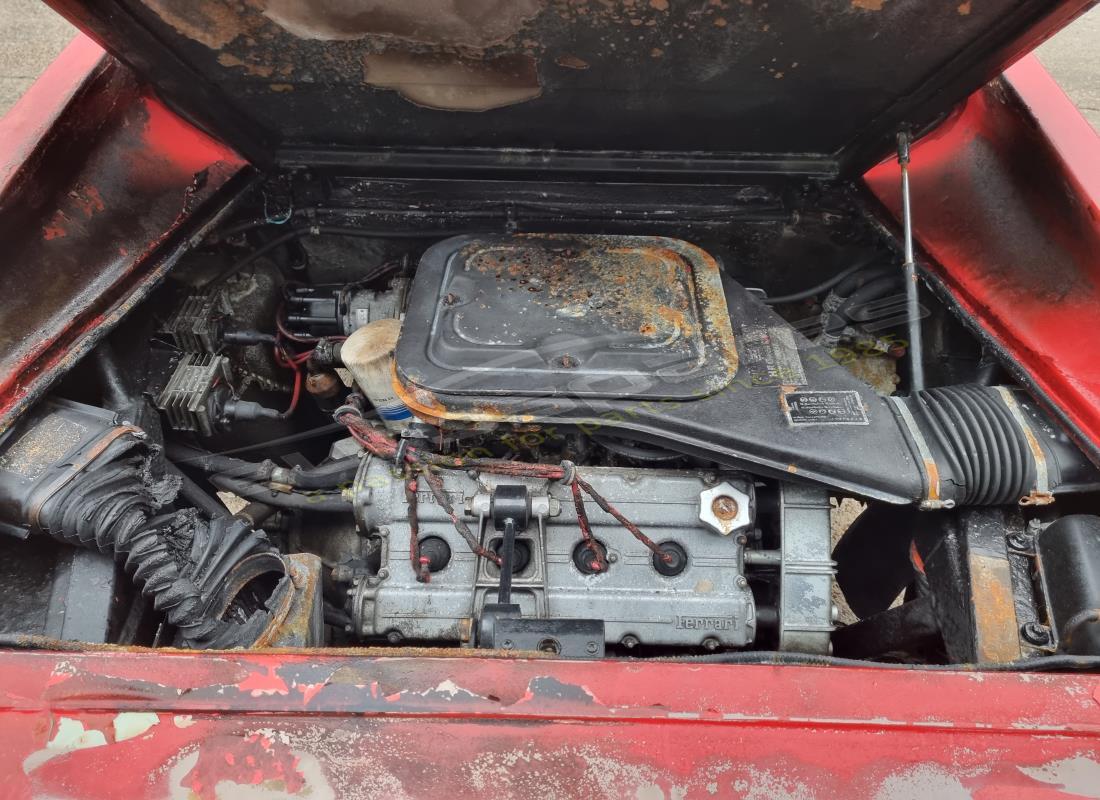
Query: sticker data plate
771	356
825	408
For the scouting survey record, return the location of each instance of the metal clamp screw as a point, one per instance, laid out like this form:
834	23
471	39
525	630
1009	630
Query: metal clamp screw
1036	634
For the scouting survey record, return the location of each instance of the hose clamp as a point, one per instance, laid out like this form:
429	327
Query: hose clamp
931	471
1041	495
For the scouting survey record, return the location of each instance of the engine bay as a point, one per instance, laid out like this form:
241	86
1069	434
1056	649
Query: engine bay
587	422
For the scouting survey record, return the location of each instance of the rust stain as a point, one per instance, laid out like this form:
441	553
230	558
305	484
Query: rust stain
420	401
458	23
259	70
490	412
293	620
455	55
428	407
933	471
614	283
675	318
570	61
1036	498
784	405
964	9
869	5
994	611
724	508
455	83
645	292
214	24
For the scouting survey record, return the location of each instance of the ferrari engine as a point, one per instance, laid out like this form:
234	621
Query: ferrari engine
584	444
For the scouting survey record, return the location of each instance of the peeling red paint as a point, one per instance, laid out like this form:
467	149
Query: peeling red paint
476	727
309	690
250	760
259	684
87	200
55	227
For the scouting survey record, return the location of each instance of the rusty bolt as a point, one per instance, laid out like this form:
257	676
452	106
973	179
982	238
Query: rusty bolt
724	507
1036	634
324	384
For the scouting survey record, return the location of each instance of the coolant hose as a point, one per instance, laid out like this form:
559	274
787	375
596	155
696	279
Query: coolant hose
325	476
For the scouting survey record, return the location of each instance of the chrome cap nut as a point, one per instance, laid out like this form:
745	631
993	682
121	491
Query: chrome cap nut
725	508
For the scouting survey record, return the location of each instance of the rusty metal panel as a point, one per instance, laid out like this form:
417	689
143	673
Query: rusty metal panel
143	724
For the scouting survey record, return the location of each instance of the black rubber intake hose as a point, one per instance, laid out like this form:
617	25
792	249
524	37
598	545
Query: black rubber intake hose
990	445
109	509
74	474
178	559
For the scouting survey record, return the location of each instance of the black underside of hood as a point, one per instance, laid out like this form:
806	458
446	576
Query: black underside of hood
798	86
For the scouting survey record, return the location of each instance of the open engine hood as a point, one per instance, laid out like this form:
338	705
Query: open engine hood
737	86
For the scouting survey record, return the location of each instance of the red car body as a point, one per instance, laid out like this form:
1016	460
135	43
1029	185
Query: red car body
1009	180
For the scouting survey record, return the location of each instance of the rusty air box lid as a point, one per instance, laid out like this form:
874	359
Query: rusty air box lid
580	316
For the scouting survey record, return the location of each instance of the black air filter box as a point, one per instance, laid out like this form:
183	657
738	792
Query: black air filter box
581	316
